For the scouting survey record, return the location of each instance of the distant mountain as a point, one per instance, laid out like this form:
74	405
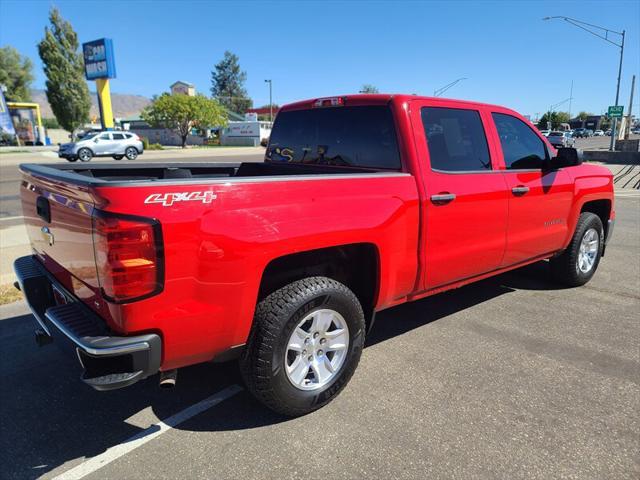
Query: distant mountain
123	105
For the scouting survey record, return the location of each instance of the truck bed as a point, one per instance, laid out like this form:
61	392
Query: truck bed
109	174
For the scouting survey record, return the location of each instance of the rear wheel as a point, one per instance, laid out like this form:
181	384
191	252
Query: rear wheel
131	153
579	262
84	154
305	344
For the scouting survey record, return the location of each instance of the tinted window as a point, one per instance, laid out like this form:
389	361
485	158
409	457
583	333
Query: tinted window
104	136
128	135
521	147
348	136
455	139
118	136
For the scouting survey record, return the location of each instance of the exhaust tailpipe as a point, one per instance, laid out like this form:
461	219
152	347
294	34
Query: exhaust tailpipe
168	378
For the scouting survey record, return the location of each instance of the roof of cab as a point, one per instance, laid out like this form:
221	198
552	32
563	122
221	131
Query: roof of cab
381	99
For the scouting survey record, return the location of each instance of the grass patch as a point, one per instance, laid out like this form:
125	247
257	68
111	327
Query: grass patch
9	294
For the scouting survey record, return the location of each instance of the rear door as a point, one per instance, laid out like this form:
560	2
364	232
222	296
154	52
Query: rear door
464	213
119	143
539	199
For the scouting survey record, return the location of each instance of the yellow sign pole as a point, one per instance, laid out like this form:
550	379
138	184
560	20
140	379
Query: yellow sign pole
104	97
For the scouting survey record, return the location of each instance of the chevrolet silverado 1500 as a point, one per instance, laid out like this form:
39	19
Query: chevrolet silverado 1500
363	202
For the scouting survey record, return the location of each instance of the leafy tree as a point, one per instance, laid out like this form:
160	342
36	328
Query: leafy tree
67	89
368	88
582	116
227	84
15	75
556	119
182	113
50	123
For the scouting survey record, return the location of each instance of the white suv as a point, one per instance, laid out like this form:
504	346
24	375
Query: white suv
103	144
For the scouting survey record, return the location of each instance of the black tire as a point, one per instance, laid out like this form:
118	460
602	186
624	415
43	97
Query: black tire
117	157
131	153
262	362
85	155
565	266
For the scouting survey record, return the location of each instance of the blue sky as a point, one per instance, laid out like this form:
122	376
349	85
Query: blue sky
311	49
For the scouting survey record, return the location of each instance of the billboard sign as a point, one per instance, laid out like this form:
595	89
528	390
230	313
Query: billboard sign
6	124
98	59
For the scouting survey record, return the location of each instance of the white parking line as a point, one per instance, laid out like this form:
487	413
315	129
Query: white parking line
117	451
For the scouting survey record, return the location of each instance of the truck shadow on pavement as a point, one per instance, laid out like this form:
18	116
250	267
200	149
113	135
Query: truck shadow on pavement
48	417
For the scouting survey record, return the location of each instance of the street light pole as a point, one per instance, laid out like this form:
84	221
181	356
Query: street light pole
270	101
585	26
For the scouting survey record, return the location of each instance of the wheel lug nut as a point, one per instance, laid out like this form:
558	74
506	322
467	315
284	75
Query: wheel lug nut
319	352
310	358
304	352
323	341
316	335
306	341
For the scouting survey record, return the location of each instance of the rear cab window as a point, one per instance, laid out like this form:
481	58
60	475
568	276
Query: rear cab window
348	136
118	136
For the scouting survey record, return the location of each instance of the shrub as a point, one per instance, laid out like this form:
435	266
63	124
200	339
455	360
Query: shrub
154	146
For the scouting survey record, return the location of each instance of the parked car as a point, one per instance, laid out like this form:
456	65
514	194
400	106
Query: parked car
362	203
608	132
580	133
103	144
598	133
588	132
561	139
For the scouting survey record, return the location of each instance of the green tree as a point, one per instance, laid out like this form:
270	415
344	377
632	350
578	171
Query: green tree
557	118
227	84
15	75
582	116
182	113
368	88
67	89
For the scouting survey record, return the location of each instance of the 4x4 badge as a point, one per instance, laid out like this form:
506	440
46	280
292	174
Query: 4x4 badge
168	199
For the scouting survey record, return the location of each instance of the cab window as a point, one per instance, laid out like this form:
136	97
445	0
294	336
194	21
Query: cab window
455	139
521	147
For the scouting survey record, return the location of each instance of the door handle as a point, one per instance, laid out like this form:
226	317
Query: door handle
520	190
443	198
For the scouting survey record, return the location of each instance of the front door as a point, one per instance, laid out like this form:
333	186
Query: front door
465	209
539	199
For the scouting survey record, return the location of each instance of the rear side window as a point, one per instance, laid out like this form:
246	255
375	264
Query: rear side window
128	135
359	136
521	147
118	136
456	139
105	136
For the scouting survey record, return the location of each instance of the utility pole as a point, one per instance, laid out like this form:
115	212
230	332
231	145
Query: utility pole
615	120
570	98
270	101
628	126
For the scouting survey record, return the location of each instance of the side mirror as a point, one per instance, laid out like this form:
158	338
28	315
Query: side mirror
95	141
566	157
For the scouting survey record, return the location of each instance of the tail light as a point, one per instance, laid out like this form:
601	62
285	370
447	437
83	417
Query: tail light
129	256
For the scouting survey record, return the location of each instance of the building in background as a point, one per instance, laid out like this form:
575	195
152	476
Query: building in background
249	132
183	88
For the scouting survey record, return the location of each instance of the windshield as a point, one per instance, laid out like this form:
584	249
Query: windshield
361	136
88	135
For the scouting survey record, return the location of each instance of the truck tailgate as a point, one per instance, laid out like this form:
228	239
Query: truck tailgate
59	223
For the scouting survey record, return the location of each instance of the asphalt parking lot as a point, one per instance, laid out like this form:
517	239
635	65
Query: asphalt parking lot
513	377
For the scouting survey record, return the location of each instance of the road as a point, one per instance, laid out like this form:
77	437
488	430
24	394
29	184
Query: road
512	377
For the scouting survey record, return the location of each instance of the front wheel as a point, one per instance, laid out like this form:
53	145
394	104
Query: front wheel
304	346
84	154
579	262
131	153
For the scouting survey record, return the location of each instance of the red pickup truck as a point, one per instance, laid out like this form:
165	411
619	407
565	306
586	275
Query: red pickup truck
363	202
